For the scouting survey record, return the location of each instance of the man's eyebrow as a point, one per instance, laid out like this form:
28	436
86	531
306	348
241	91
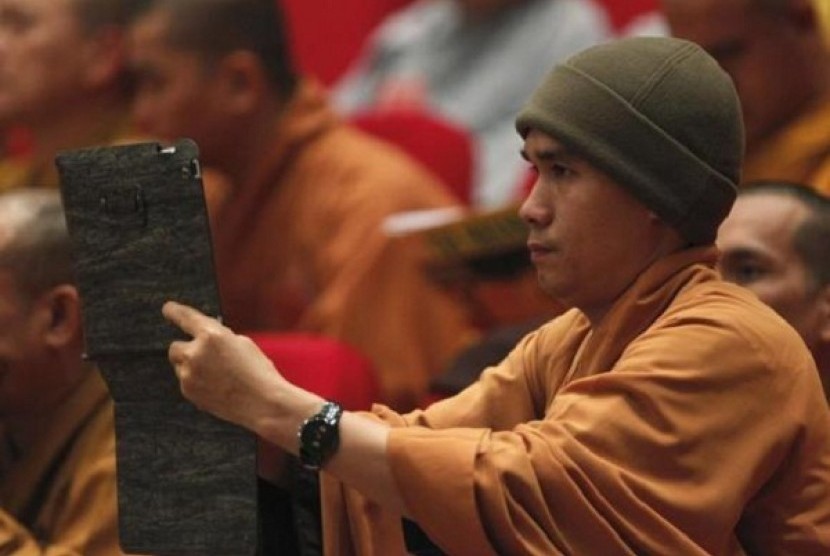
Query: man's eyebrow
739	254
550	154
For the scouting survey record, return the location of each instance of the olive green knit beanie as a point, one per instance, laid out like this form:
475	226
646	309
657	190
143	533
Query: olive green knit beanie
659	116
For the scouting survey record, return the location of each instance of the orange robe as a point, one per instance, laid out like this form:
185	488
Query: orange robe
301	247
691	420
59	496
800	152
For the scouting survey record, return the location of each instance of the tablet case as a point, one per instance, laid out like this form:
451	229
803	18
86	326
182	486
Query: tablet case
137	220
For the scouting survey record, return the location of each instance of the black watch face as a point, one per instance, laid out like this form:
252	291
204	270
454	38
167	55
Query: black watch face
319	439
317	433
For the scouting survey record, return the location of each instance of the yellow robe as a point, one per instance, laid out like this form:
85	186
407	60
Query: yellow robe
58	498
301	247
800	152
691	420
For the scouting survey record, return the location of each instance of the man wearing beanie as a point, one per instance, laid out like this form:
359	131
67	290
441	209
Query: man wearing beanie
667	412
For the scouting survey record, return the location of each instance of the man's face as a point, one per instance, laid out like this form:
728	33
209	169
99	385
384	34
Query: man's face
753	48
174	88
28	377
756	242
41	61
589	238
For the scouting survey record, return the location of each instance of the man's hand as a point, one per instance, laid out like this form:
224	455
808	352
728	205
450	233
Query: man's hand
227	375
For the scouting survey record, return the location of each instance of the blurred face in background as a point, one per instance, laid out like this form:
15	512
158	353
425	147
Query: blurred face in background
177	92
756	242
47	60
758	49
40	328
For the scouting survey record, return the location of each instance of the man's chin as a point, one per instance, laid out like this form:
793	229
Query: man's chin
547	286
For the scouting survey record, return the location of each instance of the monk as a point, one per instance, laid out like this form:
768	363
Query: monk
776	242
299	238
57	439
777	54
62	78
666	412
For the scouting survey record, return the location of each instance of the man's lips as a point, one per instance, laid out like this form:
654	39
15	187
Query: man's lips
538	250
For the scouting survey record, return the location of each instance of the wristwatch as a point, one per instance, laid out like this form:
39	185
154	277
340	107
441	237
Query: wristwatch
319	436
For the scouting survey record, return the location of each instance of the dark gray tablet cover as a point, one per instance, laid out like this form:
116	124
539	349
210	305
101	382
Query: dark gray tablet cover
138	223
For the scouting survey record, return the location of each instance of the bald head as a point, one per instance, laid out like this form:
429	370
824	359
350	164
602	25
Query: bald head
34	243
216	28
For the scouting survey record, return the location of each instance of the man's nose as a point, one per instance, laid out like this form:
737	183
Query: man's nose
536	209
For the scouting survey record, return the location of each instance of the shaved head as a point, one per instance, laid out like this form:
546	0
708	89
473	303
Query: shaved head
215	28
34	243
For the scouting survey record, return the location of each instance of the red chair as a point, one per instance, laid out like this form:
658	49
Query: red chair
442	146
17	142
622	12
327	35
325	366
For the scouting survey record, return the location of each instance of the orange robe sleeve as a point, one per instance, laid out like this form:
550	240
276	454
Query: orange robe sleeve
664	449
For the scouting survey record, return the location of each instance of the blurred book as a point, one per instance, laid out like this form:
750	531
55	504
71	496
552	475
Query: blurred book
463	245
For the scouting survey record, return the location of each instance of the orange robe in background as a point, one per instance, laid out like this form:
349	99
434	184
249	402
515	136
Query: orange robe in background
58	497
691	420
301	247
800	152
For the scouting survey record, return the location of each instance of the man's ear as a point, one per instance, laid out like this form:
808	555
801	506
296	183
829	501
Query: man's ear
244	82
105	55
59	313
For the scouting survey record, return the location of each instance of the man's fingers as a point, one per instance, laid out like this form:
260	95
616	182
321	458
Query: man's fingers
187	318
177	352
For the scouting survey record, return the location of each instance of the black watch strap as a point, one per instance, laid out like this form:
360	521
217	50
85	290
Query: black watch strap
319	435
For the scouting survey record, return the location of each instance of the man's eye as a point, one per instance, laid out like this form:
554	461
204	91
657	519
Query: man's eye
560	171
746	273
